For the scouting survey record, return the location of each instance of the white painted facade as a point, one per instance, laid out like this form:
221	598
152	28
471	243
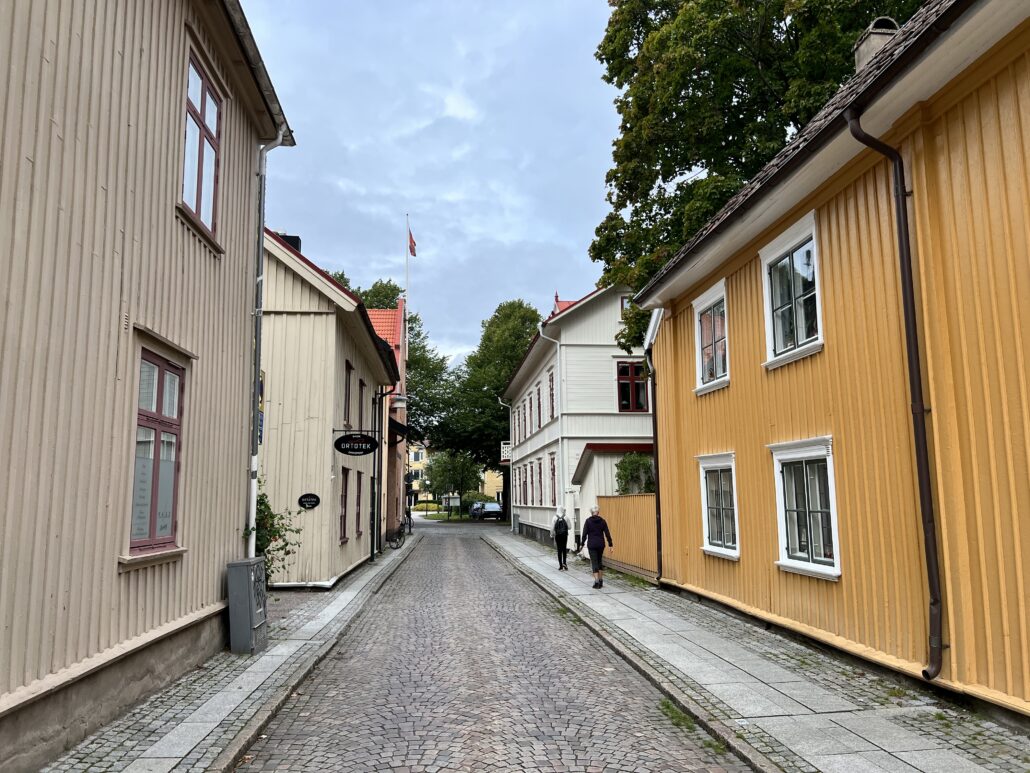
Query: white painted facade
582	362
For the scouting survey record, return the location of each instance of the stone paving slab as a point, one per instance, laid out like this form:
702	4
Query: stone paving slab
204	719
800	707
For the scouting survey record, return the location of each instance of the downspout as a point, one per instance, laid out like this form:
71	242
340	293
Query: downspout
915	384
649	339
377	501
561	424
258	305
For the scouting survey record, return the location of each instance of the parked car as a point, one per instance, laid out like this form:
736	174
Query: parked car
491	510
475	509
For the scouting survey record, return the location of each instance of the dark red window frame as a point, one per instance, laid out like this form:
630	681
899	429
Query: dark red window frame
349	369
525	488
554	489
196	113
550	384
357	509
529	404
539	408
629	375
540	481
344	493
361	404
160	424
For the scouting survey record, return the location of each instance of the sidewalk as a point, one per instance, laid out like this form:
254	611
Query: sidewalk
207	718
781	704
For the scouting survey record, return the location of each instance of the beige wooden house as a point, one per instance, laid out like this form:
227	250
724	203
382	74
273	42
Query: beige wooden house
324	369
128	226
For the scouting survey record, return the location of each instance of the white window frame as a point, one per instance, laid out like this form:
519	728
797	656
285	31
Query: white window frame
793	451
719	462
703	302
802	230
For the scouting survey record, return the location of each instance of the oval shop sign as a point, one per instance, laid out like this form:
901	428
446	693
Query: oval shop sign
308	501
355	444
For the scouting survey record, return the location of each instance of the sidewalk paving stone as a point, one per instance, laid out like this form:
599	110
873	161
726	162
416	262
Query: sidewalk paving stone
800	706
187	725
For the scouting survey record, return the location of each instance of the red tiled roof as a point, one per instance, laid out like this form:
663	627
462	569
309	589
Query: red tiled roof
388	323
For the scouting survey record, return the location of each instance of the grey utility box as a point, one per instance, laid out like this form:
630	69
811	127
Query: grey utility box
248	627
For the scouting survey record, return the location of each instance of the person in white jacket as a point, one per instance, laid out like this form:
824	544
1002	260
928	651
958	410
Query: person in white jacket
560	535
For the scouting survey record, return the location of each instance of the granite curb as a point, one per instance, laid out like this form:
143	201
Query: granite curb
236	749
743	750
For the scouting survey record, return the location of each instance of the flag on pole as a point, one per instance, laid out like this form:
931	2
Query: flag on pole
411	243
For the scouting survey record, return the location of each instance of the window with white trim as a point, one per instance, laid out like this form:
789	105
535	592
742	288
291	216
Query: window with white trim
710	339
790	277
719	505
631	384
806	506
200	160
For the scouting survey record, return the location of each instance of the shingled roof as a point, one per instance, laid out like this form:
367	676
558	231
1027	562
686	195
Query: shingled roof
906	46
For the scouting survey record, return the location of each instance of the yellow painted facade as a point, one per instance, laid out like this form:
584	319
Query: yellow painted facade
967	153
631	521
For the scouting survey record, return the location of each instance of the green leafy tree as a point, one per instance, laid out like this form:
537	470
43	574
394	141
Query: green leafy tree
340	277
709	91
383	294
634	474
473	420
452	472
428	383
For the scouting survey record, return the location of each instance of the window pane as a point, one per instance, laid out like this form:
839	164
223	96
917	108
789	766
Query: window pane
170	398
715	526
166	485
719	319
211	113
818	486
783	329
207	195
641	396
708	364
779	276
624	393
802	524
729	529
147	386
624	369
190	164
142	483
706	327
193	87
726	477
638	370
712	482
804	269
808	321
720	359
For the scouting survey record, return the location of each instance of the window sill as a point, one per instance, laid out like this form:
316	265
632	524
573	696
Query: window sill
198	228
712	386
130	563
805	350
729	555
810	570
345	540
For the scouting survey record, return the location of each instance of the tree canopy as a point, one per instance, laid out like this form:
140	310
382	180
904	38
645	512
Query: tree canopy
428	382
710	90
452	471
473	420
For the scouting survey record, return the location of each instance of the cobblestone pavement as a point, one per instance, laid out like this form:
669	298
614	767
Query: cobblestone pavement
802	707
461	664
204	710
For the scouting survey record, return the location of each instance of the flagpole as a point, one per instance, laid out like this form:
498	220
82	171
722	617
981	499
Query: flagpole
407	256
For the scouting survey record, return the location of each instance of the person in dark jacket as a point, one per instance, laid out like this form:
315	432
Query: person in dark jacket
595	531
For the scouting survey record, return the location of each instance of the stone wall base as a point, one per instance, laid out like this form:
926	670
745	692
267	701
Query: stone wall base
41	731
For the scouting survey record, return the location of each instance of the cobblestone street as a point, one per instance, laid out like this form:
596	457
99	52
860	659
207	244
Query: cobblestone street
462	664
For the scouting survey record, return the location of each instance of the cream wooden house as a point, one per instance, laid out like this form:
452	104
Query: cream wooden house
128	227
324	367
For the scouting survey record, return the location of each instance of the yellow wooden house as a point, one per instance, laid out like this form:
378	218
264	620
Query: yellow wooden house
843	366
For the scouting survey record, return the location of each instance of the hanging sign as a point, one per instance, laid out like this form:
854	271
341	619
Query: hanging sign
308	501
355	444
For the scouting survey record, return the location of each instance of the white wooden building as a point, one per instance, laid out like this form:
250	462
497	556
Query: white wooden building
574	388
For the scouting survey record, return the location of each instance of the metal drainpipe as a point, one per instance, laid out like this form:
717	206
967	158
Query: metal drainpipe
258	305
377	476
915	383
657	485
561	422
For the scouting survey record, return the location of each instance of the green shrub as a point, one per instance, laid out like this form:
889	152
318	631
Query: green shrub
275	536
473	496
426	507
634	474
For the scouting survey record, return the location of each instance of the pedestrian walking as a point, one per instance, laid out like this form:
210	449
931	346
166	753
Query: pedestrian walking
595	531
560	535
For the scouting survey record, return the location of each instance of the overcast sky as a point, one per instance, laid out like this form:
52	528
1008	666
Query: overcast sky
487	121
